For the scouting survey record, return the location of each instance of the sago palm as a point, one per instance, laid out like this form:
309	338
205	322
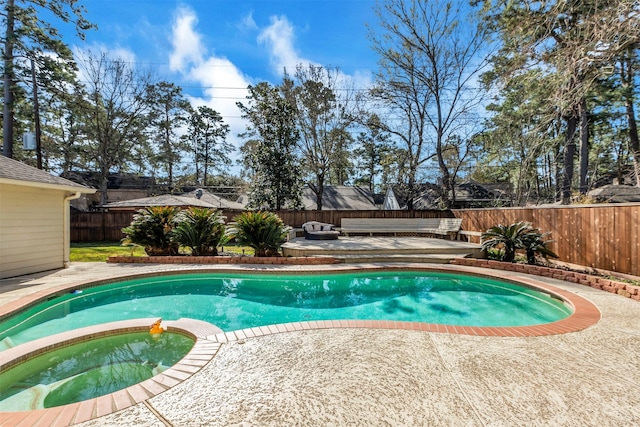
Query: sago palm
509	238
201	229
534	243
152	229
263	231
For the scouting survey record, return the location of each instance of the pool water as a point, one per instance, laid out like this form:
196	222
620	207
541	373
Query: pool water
240	301
89	369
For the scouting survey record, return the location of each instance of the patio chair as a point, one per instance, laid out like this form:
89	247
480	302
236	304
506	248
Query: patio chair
314	230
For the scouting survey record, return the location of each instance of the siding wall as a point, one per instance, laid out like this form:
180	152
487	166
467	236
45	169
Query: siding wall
31	230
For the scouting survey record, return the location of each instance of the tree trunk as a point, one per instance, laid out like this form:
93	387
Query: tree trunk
584	145
319	192
569	154
8	78
634	143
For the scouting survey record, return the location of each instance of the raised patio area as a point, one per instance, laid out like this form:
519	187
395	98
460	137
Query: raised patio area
384	249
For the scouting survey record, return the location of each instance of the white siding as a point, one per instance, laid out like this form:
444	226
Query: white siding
31	230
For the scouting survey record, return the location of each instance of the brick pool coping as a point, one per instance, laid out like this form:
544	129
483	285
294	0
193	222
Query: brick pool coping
183	259
209	341
624	289
200	354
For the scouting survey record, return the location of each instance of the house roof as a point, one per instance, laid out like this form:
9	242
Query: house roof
17	173
616	193
207	200
216	201
340	197
429	197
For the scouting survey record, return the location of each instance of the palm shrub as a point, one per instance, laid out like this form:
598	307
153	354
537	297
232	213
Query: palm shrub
201	229
534	243
263	231
520	235
152	228
506	237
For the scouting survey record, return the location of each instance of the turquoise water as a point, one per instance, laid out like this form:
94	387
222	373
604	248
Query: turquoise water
240	301
89	369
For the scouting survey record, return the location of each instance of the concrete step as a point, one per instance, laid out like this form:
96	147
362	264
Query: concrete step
420	258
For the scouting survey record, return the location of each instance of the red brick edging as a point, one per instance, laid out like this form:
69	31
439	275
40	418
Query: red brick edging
221	260
621	288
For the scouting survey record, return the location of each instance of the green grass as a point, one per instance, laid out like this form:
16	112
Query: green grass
100	251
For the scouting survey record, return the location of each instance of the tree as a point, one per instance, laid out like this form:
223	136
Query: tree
628	65
571	41
28	36
207	139
64	132
430	53
269	149
168	111
518	137
323	107
115	120
373	146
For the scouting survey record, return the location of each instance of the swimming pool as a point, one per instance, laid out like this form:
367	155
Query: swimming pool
244	300
88	369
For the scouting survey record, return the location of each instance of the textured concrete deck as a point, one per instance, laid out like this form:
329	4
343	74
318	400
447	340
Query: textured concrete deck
396	377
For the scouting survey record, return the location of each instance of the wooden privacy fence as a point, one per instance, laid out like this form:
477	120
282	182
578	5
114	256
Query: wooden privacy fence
107	226
605	237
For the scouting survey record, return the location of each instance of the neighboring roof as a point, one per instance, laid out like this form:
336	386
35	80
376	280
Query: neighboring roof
616	193
215	200
17	173
390	201
468	193
340	197
114	180
207	200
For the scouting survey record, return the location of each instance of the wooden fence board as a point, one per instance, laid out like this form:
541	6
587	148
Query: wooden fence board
605	237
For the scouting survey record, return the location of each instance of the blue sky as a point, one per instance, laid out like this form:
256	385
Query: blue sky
213	49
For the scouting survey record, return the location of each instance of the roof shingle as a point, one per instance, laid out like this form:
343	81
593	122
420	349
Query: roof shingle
14	170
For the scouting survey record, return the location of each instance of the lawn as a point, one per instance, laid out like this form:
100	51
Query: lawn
100	251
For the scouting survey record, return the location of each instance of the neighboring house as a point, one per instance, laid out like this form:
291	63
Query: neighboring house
468	195
614	193
199	198
214	200
340	197
34	218
334	197
120	186
390	202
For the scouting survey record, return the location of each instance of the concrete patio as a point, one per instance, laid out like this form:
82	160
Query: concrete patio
384	249
335	377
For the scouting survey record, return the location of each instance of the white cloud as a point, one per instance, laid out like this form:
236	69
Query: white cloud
279	39
186	42
221	82
97	49
248	23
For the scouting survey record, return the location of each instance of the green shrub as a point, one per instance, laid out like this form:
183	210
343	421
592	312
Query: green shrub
263	231
520	235
534	243
508	238
201	229
152	228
